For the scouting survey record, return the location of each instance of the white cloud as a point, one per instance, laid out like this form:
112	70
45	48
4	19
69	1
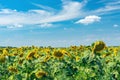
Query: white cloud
114	3
89	19
46	25
7	11
115	25
110	7
44	7
15	26
107	8
68	29
69	11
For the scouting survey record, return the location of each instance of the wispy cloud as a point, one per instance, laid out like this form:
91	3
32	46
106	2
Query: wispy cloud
15	26
110	7
89	19
114	3
46	25
47	15
44	7
107	8
70	10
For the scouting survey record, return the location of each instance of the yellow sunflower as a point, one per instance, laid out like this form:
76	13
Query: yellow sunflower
77	58
40	74
5	52
47	58
20	61
65	52
115	51
30	55
12	69
2	58
58	54
98	46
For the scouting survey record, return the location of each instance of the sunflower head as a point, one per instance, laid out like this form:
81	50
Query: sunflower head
21	54
12	69
58	54
30	55
98	46
2	58
115	51
5	52
77	58
20	61
40	74
47	58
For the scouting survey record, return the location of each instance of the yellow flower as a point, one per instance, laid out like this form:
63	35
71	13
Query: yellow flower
110	49
47	58
40	74
1	51
47	50
58	54
15	54
73	48
2	58
33	54
21	54
115	51
20	61
5	52
30	55
105	55
77	58
65	52
98	46
12	69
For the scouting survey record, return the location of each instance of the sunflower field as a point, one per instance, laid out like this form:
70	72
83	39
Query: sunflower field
94	62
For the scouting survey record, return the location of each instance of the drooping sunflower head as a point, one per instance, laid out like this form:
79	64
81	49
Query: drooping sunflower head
98	46
115	52
66	52
47	58
30	55
12	69
58	54
21	60
77	58
2	58
5	52
40	74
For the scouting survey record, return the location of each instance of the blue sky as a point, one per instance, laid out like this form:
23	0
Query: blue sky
59	23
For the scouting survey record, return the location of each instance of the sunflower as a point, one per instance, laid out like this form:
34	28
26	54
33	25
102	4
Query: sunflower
65	52
12	69
98	46
77	58
47	50
2	58
47	58
40	74
21	54
58	54
30	55
20	61
115	51
5	52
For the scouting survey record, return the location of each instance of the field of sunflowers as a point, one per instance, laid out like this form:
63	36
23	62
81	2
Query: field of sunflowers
94	62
